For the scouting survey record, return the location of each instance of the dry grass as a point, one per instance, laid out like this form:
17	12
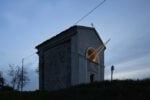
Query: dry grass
107	90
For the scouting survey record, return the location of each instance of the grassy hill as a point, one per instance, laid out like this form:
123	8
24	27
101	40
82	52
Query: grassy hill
107	90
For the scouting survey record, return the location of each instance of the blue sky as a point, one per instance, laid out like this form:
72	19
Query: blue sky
26	23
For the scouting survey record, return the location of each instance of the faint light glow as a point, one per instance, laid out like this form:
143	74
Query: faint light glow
92	55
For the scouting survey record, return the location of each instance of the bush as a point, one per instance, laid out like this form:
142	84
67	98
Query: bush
6	88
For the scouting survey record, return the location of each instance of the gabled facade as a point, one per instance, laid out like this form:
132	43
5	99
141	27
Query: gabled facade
69	59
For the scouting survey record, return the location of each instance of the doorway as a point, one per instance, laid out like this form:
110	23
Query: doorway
92	78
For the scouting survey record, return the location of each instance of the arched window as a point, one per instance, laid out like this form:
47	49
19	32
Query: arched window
92	55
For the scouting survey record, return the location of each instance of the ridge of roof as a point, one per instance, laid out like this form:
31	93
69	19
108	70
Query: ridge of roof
63	33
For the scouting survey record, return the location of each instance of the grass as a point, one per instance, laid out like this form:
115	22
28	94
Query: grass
106	90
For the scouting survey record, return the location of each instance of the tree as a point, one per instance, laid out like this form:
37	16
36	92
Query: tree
2	80
37	70
18	77
13	75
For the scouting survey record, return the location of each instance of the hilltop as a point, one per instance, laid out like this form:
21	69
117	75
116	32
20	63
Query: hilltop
106	90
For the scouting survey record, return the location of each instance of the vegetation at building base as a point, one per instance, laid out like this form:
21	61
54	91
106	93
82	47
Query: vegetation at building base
106	90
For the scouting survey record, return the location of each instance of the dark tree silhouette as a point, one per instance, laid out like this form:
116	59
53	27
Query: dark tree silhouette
15	72
37	70
2	80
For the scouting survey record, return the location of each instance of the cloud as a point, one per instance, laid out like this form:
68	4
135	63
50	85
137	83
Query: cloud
135	68
133	74
13	20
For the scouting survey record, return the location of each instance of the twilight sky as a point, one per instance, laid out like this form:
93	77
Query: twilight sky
26	23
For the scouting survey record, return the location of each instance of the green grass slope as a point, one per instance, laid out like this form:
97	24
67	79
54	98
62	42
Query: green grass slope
107	90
